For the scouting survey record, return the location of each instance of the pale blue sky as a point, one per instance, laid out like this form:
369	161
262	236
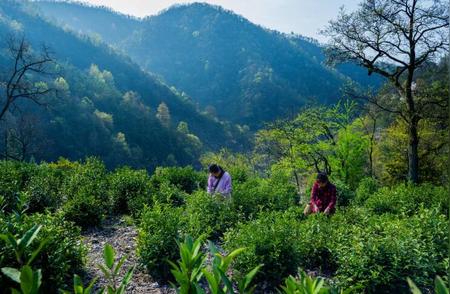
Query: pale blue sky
305	17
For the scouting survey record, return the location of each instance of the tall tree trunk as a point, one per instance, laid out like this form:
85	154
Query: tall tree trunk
413	134
413	152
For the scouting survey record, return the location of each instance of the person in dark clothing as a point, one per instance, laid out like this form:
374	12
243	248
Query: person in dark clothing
323	196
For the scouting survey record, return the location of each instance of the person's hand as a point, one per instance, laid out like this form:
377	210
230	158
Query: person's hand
315	208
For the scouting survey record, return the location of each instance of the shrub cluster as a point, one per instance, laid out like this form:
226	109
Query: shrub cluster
129	190
61	257
157	241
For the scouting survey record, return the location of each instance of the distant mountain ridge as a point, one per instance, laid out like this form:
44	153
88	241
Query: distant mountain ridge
243	72
109	109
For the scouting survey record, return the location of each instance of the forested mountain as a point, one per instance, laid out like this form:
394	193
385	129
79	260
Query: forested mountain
243	72
105	104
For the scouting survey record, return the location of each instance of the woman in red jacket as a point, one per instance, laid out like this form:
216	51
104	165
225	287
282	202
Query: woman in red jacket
323	196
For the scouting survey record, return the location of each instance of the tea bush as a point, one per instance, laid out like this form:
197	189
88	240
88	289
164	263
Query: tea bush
314	245
62	256
169	194
379	253
129	190
83	210
366	188
184	178
258	194
208	216
406	198
14	177
344	194
272	240
86	190
159	231
44	189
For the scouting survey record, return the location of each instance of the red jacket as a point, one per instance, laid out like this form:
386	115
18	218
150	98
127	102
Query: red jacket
323	198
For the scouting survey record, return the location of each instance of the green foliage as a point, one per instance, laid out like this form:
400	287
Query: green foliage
44	189
344	193
440	287
129	190
407	198
169	194
184	178
367	187
379	251
304	285
349	158
86	189
83	210
314	246
111	269
54	246
79	288
188	271
219	282
191	268
208	215
271	240
237	165
158	231
28	279
257	194
14	177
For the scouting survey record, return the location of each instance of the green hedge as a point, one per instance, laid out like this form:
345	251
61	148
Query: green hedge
129	190
407	198
159	230
256	194
184	178
208	216
271	240
61	257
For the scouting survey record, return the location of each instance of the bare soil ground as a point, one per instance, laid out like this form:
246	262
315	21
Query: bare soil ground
123	239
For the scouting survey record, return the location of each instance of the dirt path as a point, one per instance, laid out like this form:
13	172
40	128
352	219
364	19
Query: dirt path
123	238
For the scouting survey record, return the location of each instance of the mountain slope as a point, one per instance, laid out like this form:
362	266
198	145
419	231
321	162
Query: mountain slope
101	82
248	74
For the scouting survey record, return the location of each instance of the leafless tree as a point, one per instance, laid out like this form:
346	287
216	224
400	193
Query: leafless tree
20	82
23	137
393	38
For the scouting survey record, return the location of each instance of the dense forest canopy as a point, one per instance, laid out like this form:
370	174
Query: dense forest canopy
230	66
103	95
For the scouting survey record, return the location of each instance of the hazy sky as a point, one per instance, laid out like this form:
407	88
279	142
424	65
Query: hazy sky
305	17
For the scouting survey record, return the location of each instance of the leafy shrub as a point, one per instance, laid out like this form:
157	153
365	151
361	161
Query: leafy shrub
184	178
366	188
304	284
407	198
271	240
258	194
14	177
170	194
314	247
208	215
343	193
83	210
381	251
111	269
44	189
191	268
86	189
158	232
129	190
60	258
